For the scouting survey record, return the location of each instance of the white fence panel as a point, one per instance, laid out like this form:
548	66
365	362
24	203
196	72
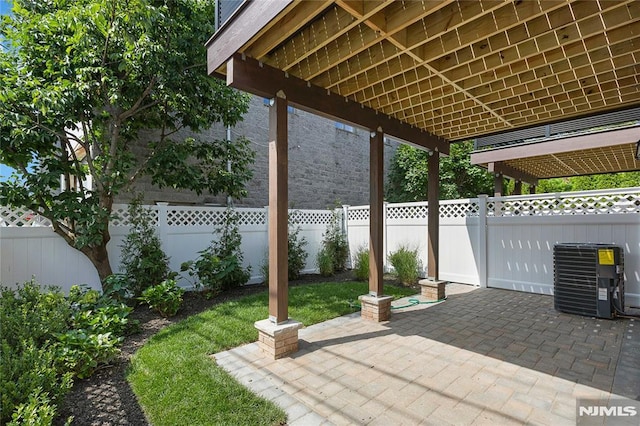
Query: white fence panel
357	229
29	247
38	252
406	226
505	242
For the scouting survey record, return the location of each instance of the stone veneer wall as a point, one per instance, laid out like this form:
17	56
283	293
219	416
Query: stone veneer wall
326	164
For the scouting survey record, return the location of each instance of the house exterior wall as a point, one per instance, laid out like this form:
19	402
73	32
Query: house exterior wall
326	164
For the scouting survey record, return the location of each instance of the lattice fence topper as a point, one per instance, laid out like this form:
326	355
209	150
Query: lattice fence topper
311	217
358	213
407	212
120	215
570	205
195	217
252	217
463	209
21	217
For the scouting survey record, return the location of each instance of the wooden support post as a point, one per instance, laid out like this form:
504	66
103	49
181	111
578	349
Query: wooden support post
433	216
498	185
532	189
278	211
517	189
376	246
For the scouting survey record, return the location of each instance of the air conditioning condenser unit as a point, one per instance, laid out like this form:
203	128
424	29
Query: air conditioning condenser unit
588	279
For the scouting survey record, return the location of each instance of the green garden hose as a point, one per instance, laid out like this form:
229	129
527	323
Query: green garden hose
412	302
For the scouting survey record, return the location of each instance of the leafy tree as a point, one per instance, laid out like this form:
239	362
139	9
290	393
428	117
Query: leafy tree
591	182
81	81
458	178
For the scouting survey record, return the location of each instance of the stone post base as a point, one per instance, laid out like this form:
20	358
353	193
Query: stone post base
432	290
375	308
278	340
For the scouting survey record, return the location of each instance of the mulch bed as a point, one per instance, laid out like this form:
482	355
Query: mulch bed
106	398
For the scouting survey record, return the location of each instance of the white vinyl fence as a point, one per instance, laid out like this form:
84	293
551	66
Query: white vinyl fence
507	242
29	247
502	242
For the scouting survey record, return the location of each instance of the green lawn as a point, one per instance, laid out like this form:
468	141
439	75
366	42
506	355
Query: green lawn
176	381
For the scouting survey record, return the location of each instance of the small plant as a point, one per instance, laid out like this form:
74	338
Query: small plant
297	256
143	260
335	248
361	264
406	264
38	410
324	260
116	286
165	298
219	266
82	352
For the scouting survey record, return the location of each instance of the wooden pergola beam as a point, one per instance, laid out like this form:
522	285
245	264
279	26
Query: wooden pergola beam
230	38
251	76
558	146
506	170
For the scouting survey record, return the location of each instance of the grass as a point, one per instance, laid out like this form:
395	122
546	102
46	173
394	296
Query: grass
176	381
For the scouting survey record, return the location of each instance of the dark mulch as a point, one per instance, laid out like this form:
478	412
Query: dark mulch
106	398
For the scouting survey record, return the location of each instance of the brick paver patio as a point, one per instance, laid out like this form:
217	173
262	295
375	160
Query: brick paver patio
485	356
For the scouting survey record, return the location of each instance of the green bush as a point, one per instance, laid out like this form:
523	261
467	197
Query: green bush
116	286
335	248
46	339
37	411
324	260
361	264
29	319
143	260
406	264
165	298
297	256
219	266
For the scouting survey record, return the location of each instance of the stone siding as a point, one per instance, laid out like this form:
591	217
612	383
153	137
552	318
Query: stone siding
326	164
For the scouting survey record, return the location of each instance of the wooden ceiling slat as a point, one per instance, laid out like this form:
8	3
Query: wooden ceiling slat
507	69
267	40
513	79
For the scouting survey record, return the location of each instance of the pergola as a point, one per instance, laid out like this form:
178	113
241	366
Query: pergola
424	72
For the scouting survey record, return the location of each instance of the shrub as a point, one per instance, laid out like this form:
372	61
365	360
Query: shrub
37	411
324	260
46	339
297	256
335	247
81	352
166	298
406	264
361	264
219	266
116	286
143	260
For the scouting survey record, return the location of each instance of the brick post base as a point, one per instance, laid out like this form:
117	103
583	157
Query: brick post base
432	290
278	340
375	308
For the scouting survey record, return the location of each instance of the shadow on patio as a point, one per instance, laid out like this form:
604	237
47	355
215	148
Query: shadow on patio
483	356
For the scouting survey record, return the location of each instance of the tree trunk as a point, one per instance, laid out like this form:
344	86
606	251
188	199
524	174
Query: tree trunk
100	259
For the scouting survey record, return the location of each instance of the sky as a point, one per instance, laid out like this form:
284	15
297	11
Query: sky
5	7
